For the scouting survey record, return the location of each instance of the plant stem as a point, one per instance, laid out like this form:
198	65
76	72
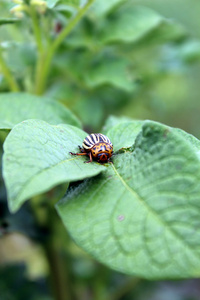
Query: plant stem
59	277
125	288
59	280
45	63
48	221
38	38
8	75
36	28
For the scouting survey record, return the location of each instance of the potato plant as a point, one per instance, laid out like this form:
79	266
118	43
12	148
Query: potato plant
66	66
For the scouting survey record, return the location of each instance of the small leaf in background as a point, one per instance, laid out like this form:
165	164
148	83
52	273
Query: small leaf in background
75	3
184	12
105	69
168	30
51	3
36	158
188	51
113	71
102	7
83	36
4	21
22	64
17	107
90	111
130	23
142	216
63	13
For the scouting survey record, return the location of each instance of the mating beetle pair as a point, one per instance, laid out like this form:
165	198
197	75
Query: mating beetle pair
98	147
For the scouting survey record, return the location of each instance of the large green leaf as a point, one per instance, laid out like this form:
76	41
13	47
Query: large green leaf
17	107
191	139
142	216
36	158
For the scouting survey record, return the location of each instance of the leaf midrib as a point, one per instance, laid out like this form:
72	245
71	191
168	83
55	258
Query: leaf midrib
153	213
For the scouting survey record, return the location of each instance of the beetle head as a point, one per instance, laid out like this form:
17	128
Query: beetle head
103	157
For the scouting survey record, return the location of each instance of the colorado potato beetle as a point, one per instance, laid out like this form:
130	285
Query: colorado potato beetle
97	146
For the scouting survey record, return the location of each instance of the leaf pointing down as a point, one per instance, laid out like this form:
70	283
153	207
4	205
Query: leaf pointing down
142	216
36	158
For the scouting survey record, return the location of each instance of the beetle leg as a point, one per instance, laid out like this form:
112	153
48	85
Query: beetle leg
83	153
90	156
81	149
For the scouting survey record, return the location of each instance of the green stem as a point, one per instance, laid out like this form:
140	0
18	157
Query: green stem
46	62
39	74
38	38
48	221
59	279
36	28
8	75
124	289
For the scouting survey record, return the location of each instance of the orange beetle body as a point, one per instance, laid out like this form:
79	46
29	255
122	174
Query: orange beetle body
98	147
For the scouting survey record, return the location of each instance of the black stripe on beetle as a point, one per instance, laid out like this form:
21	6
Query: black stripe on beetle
87	143
98	147
92	137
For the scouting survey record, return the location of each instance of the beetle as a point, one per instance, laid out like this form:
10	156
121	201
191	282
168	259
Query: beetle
97	146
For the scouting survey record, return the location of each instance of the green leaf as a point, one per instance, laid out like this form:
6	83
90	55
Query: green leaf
90	111
113	71
36	158
4	21
17	107
130	23
113	120
76	3
102	7
191	139
142	216
51	3
123	134
23	61
166	31
83	36
189	51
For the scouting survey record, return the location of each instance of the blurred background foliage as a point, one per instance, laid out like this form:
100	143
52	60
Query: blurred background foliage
139	59
134	58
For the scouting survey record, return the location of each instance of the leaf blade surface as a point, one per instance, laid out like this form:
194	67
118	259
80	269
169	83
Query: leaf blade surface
36	158
141	216
17	107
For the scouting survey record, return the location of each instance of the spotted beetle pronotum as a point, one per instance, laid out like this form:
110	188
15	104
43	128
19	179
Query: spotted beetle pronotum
97	146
